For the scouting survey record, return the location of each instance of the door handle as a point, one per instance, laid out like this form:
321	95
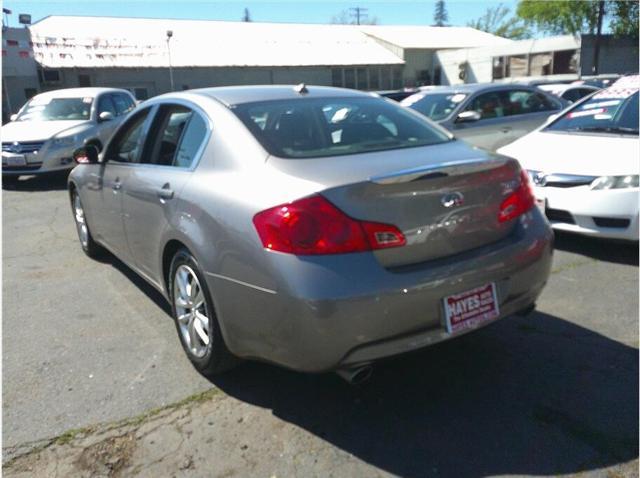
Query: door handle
506	129
165	193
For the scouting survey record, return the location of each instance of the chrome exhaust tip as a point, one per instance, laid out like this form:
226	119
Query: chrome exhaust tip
356	375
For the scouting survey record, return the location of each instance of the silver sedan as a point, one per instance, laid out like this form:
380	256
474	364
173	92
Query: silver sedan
315	228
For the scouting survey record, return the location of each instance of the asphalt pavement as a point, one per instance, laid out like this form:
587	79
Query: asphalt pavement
553	393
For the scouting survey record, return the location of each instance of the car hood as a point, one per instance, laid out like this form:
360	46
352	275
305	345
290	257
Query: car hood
580	154
35	130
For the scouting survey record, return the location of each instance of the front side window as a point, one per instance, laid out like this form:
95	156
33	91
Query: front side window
105	104
607	111
123	104
489	105
308	128
436	106
56	109
127	142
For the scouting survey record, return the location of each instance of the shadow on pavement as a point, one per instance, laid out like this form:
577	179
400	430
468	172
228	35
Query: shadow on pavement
48	182
536	395
619	252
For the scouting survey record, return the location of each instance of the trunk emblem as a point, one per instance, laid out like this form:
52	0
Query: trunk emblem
452	199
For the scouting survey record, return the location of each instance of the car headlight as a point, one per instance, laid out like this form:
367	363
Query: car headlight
65	141
615	182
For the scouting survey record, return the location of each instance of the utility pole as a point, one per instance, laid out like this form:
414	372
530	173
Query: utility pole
169	35
596	46
358	12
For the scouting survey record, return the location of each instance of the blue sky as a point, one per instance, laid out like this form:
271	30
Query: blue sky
402	12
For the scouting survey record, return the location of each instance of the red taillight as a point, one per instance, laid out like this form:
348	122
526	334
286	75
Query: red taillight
315	226
519	201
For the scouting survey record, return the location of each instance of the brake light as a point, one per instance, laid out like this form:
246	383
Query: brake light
519	201
313	225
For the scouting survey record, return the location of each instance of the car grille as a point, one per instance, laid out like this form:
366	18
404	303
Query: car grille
29	167
25	147
559	215
611	222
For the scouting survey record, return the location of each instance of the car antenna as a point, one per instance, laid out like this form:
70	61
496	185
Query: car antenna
301	89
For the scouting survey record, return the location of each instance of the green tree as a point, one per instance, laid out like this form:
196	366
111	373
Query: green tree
440	16
558	17
623	17
498	22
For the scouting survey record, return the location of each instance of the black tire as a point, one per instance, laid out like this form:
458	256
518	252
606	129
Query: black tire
216	358
90	247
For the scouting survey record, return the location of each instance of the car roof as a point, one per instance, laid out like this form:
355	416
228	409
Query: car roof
234	95
79	92
473	88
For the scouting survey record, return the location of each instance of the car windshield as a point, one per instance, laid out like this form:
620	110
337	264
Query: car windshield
436	106
318	127
56	109
609	111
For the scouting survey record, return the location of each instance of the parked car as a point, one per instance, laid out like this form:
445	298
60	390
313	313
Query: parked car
571	92
41	138
316	228
397	95
584	164
487	115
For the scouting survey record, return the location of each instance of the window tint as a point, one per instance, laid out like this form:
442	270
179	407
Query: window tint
106	104
127	141
496	104
177	134
307	128
192	139
123	104
489	105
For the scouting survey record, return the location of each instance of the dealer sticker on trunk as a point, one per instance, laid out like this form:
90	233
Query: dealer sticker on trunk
471	308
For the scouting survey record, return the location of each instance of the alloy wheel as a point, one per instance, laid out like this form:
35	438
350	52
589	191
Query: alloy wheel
191	311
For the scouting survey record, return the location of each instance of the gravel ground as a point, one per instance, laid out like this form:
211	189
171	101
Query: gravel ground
88	343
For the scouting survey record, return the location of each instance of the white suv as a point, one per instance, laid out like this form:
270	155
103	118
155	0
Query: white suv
41	138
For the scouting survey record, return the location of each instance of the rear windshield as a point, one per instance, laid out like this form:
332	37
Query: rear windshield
436	106
318	127
608	111
56	109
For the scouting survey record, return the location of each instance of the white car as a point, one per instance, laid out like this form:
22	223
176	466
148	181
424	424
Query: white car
571	93
41	138
584	164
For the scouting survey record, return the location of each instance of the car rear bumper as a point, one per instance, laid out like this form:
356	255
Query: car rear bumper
611	214
329	312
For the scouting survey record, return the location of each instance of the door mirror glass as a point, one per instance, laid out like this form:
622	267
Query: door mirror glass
13	117
86	155
106	116
468	117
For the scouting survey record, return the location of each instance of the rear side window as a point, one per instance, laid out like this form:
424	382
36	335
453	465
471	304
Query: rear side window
176	135
319	127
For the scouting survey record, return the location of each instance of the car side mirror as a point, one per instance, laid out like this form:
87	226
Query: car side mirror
105	116
13	117
86	155
468	117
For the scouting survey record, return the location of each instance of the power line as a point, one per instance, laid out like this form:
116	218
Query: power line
358	13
